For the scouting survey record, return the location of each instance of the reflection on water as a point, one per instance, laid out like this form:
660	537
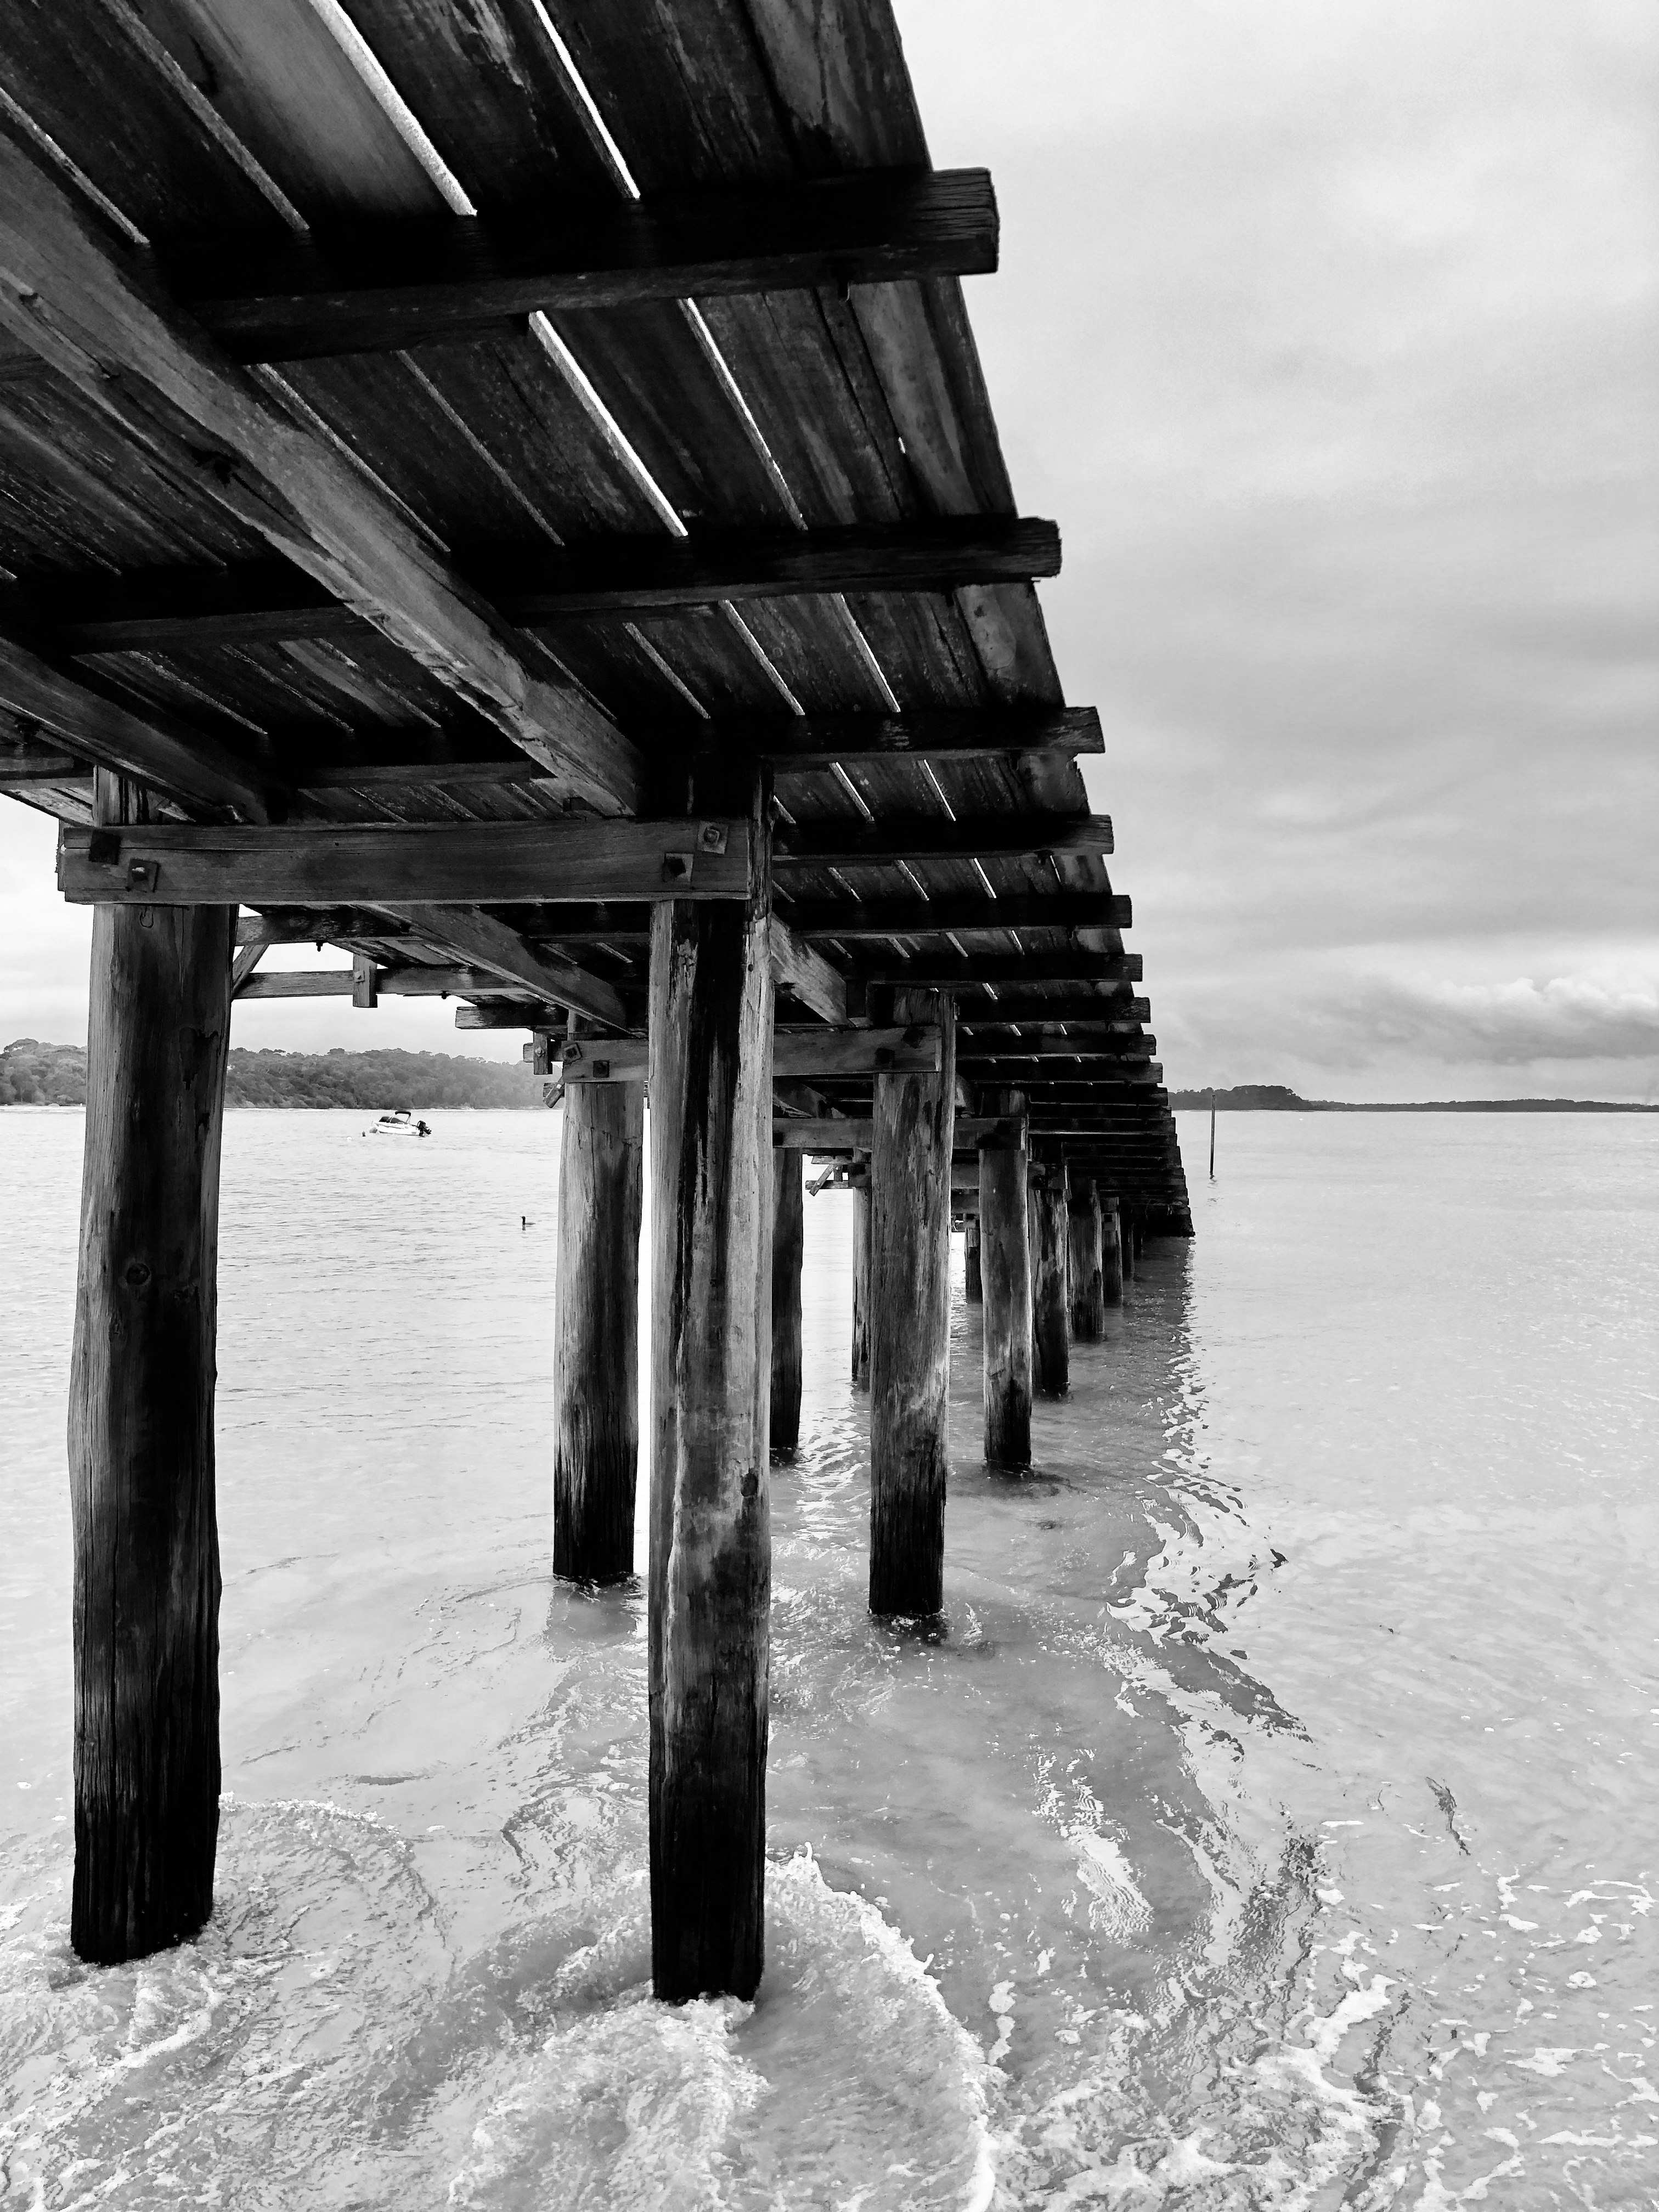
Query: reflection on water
1271	1823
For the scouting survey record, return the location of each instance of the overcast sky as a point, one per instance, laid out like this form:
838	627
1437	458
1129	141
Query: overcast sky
1329	330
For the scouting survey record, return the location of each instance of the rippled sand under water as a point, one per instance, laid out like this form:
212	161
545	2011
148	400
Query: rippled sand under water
1273	1822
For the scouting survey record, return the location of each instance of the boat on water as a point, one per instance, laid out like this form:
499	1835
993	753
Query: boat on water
402	1123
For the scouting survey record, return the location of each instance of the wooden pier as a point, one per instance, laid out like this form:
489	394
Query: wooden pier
510	494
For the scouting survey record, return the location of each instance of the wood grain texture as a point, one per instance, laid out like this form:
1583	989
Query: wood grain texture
711	1170
860	1362
1111	1252
1050	1321
788	1236
974	1280
1088	1285
856	844
801	969
141	1445
383	286
910	1324
1005	1265
914	1050
576	857
595	1438
960	915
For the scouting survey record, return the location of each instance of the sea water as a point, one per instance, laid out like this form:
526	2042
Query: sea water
1273	1820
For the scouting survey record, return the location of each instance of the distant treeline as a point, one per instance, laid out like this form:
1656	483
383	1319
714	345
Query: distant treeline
1275	1099
35	1074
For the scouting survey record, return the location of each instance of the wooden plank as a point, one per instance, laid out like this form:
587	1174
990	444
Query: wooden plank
449	863
849	842
910	1051
799	743
383	287
796	966
155	750
487	942
958	916
411	982
26	764
1040	965
320	925
90	306
977	1052
624	575
827	1137
988	1017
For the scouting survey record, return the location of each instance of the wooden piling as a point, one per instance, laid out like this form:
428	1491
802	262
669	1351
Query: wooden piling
1088	1286
862	1287
1111	1252
910	1321
1126	1244
1050	1319
789	1237
1005	1260
596	1353
975	1279
141	1451
711	1366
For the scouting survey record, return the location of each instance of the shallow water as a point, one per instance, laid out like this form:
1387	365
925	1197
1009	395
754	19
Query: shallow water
1275	1822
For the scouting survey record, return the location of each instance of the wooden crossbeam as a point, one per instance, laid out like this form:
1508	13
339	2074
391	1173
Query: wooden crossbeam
440	864
27	763
380	287
153	748
619	577
485	941
326	925
851	842
951	971
959	915
828	1138
913	1051
983	1017
90	306
800	742
978	1053
410	983
802	970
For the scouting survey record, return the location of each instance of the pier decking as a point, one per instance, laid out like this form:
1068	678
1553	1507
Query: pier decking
509	490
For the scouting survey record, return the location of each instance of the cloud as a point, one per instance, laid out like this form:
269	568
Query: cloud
1511	1024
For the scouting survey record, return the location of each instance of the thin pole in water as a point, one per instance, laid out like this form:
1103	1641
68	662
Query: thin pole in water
1212	1133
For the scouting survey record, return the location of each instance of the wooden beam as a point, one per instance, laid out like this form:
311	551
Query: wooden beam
486	942
1016	1012
411	983
439	862
958	915
327	924
851	842
912	1051
173	610
797	968
980	1051
380	287
153	749
91	306
794	742
826	1137
997	969
25	763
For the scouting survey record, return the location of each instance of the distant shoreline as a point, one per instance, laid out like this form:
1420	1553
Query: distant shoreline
1274	1098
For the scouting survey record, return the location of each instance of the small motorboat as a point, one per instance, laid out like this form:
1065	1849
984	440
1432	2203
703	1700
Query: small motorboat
400	1124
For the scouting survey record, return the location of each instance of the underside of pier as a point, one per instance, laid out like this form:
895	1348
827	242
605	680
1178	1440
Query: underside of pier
509	490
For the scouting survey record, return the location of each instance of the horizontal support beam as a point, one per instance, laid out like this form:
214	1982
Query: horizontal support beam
851	842
266	602
411	983
323	925
826	1138
35	764
950	971
979	1051
913	1051
484	941
380	287
989	1017
439	864
959	915
803	742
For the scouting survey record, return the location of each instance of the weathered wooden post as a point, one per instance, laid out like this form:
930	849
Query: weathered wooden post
1126	1243
974	1280
861	1286
711	1368
1005	1261
1051	1331
788	1240
596	1351
910	1320
140	1422
1111	1252
1088	1285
